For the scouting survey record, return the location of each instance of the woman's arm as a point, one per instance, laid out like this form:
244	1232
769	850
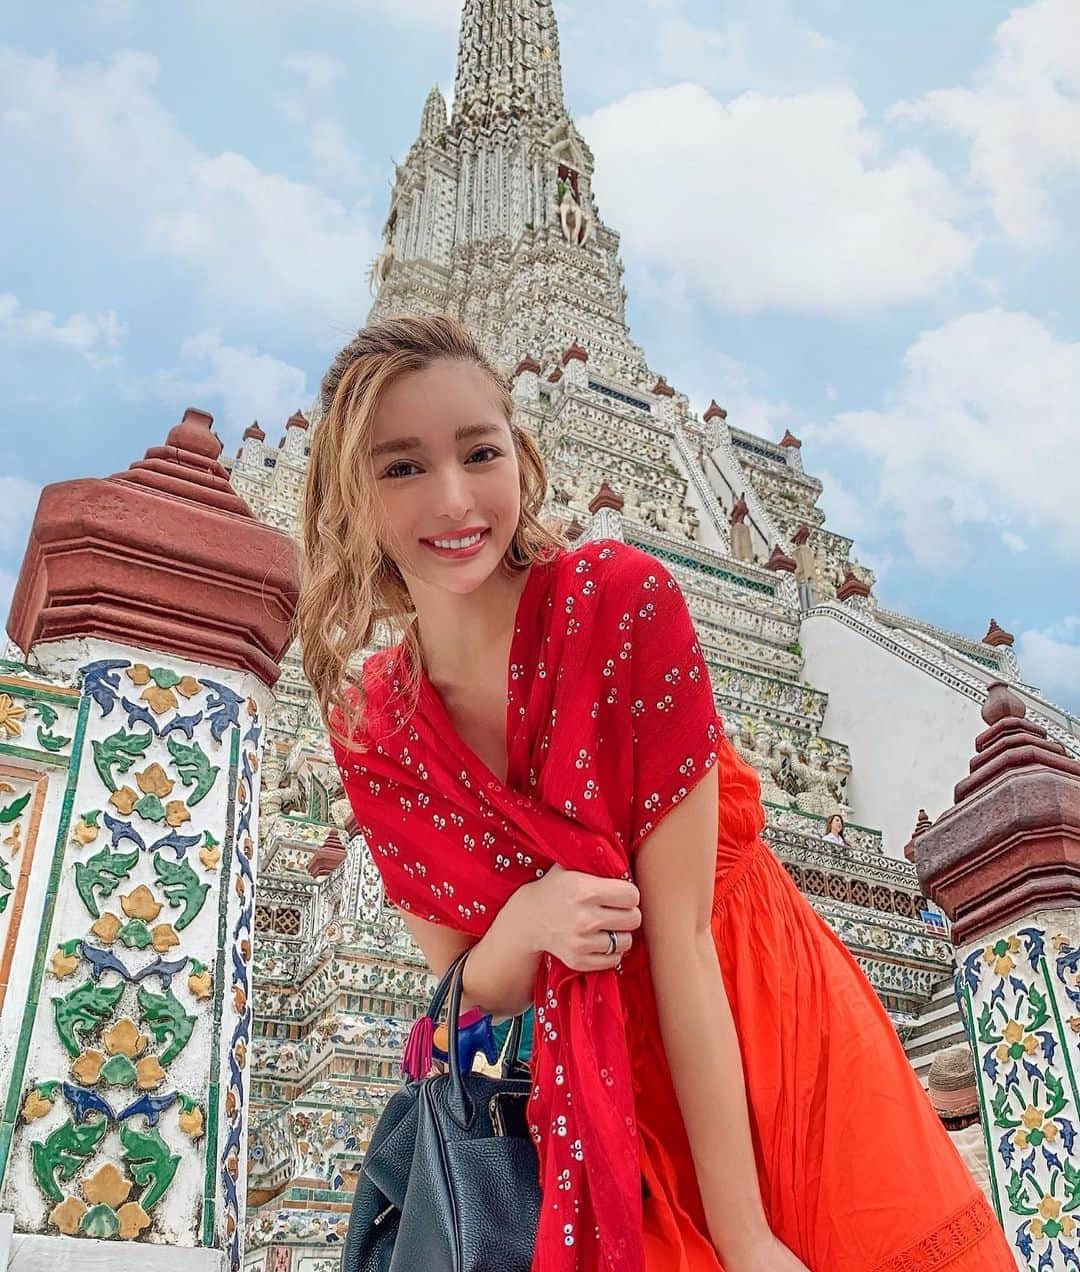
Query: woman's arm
674	868
567	913
500	971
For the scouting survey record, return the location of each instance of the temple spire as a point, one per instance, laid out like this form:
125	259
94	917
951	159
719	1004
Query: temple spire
433	120
508	63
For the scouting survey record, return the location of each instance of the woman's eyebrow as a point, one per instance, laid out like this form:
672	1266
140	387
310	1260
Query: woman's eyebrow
414	443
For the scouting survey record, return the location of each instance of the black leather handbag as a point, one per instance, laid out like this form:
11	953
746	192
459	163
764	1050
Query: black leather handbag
450	1180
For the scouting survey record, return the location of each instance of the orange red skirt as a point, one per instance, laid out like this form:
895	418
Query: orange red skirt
857	1173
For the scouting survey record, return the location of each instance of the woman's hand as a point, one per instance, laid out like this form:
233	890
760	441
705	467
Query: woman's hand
569	914
766	1253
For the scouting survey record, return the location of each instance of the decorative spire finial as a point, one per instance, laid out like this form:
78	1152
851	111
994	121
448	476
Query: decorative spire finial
1011	741
508	63
433	120
996	635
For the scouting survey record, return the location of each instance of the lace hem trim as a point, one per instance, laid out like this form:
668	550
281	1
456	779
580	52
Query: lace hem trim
937	1250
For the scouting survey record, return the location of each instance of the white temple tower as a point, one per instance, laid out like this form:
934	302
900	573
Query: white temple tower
839	704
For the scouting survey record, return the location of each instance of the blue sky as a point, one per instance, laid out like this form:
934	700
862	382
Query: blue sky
853	220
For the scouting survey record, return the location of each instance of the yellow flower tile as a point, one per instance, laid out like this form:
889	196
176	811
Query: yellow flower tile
149	1073
124	800
133	1219
140	904
138	674
1049	1207
200	984
188	686
11	716
84	832
164	937
160	700
106	1185
106	928
63	964
153	780
67	1214
210	855
87	1067
14	840
35	1106
191	1123
124	1039
176	813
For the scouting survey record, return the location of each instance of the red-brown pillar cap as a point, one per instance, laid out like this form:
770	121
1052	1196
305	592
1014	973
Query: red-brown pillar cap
163	556
328	856
1010	844
605	497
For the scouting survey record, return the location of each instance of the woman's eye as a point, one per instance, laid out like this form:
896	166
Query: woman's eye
406	468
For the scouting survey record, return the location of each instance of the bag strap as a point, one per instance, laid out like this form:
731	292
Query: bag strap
461	1106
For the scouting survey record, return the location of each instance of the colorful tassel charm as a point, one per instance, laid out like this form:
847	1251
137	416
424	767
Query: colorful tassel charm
416	1062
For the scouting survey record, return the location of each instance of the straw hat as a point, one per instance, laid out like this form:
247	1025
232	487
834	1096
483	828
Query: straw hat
952	1088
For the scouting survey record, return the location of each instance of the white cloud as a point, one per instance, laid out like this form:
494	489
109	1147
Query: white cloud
95	336
766	47
1050	659
1022	117
319	71
848	511
335	160
1013	541
981	432
253	242
18	499
237	384
774	202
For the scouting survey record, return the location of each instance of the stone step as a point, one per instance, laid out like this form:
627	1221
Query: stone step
928	1043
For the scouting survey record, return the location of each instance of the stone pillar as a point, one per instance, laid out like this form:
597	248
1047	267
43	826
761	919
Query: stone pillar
526	381
664	395
152	609
575	366
1004	865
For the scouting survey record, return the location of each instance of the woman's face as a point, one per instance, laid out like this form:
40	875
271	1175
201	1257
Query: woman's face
446	474
836	826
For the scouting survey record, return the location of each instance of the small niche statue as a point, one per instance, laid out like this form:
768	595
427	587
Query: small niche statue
742	548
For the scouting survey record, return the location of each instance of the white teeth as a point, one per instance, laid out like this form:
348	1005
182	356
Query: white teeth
457	543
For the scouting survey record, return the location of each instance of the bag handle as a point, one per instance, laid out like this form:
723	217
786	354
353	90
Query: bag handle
461	1106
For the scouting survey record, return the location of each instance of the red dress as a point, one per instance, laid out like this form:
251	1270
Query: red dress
610	722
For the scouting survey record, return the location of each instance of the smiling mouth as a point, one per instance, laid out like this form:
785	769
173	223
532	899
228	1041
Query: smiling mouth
458	543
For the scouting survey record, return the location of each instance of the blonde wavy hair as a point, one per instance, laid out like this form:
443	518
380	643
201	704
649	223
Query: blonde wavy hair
349	585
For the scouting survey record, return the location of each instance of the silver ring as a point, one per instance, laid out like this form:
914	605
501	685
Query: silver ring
613	942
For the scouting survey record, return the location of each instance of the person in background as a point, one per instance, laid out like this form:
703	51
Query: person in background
834	831
955	1098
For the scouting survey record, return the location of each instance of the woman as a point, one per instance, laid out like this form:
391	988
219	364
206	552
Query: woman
539	771
834	831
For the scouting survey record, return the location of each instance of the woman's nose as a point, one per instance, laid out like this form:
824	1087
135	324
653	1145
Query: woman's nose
452	499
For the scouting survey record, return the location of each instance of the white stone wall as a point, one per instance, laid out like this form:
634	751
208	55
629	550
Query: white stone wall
910	735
